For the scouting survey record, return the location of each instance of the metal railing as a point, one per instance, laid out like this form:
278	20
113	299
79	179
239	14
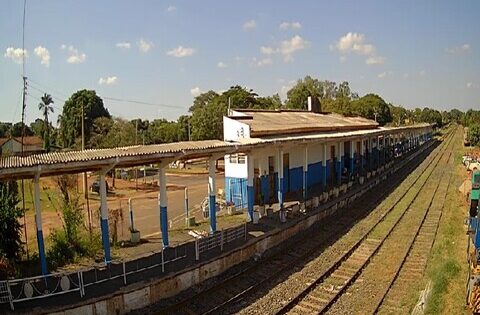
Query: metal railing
124	272
219	239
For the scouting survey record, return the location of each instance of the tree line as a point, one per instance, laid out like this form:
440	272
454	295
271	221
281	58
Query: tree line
205	118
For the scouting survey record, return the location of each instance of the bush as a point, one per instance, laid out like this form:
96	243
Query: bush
63	251
474	135
10	227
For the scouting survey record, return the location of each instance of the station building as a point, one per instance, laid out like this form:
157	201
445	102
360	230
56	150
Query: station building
311	152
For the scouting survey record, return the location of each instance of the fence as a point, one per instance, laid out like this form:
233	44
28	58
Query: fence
219	239
115	274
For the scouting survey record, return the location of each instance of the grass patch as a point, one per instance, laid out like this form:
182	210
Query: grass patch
447	265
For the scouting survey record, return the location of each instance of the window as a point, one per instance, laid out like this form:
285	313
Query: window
233	158
237	158
242	158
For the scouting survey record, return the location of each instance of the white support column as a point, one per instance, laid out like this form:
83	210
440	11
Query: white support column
163	205
104	218
38	223
280	177
212	195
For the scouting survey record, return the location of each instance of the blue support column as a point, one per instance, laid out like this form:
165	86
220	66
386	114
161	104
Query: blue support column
250	190
324	167
211	196
352	158
280	178
104	218
338	167
305	174
163	203
38	222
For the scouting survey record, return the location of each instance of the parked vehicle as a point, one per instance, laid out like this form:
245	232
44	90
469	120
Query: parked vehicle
95	187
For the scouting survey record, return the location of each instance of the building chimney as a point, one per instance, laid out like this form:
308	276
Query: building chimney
314	105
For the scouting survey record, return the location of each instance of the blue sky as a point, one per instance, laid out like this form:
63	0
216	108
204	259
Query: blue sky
412	53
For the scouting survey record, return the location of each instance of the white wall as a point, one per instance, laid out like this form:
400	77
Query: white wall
234	130
234	169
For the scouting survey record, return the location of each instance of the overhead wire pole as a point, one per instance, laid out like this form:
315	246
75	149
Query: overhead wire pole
85	183
24	78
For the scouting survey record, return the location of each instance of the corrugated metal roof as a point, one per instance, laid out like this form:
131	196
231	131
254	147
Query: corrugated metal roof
78	161
102	154
274	122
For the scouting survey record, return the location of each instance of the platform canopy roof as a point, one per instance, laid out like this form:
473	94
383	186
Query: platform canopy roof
64	162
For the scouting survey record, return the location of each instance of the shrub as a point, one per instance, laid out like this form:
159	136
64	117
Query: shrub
10	227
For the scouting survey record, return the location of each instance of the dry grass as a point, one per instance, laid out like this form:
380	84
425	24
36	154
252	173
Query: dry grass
447	266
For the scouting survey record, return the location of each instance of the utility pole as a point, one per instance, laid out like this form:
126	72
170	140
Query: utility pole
136	169
85	182
24	105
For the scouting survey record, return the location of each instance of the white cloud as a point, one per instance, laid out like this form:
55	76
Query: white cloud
356	43
144	45
375	60
16	54
267	50
465	48
292	45
343	59
171	8
250	25
262	62
124	45
195	91
108	80
469	85
422	73
43	54
181	52
221	64
290	25
385	74
75	56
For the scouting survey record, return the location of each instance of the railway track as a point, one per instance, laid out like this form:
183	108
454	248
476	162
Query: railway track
330	285
414	262
236	287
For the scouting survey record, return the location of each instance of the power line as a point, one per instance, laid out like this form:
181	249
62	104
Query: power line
141	102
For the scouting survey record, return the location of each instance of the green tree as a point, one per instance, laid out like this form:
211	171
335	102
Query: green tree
38	127
71	118
372	106
163	131
10	227
16	130
297	96
203	100
269	102
207	123
471	117
4	129
45	106
474	134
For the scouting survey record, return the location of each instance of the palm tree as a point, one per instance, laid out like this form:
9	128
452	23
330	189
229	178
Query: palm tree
45	107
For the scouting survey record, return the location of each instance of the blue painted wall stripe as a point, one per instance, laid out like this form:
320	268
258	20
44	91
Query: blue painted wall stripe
212	213
251	201
280	192
105	240
164	225
41	252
